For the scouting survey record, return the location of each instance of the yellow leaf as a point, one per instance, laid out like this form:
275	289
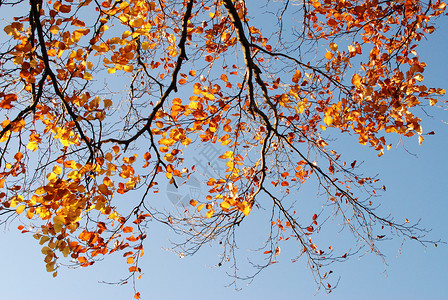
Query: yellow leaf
20	209
88	76
32	146
54	29
246	210
228	154
73	175
128	68
209	96
209	213
328	120
418	77
328	55
186	141
52	177
200	207
432	102
225	205
356	80
420	139
130	260
193	105
57	170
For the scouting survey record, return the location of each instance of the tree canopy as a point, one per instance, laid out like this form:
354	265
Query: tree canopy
103	103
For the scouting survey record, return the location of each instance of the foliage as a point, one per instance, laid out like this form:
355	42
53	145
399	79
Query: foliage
102	100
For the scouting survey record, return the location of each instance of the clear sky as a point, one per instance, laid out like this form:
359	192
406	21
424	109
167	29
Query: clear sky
417	188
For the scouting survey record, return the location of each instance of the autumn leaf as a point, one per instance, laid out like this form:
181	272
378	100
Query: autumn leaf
88	76
196	104
32	146
20	209
356	80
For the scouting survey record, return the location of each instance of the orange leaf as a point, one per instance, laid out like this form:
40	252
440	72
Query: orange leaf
128	229
356	80
130	260
333	46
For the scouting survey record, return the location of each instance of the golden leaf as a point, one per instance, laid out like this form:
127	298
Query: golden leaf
209	213
328	120
57	170
32	146
356	80
20	209
54	29
88	76
333	46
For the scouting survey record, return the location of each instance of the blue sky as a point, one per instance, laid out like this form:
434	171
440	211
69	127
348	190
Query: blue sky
417	188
